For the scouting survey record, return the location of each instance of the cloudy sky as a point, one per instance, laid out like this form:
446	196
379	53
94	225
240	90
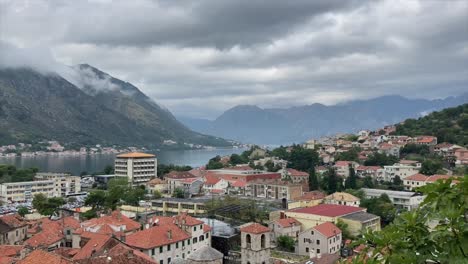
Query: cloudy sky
199	58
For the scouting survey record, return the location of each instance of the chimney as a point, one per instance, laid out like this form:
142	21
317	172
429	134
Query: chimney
169	234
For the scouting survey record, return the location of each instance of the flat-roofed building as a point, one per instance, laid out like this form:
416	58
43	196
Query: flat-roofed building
273	189
138	167
24	191
401	199
360	222
400	170
65	184
171	206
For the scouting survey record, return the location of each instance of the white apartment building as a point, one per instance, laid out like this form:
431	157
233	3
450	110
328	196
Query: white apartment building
23	191
399	170
65	184
401	200
138	167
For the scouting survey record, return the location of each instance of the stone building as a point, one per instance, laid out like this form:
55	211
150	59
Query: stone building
205	255
255	244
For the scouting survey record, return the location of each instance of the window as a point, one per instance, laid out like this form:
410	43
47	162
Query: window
168	260
318	250
307	249
201	238
262	241
161	261
183	243
194	228
195	240
248	239
188	242
312	232
177	245
152	252
161	250
201	227
68	232
318	242
183	255
169	247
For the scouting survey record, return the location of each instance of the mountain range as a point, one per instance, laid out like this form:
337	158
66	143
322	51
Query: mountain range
83	105
275	126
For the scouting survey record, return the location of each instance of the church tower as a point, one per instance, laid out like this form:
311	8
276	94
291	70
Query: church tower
255	244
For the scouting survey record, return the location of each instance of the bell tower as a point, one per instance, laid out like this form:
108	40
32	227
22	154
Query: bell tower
255	244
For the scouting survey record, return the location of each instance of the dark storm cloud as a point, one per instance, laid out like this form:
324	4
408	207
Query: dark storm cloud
201	57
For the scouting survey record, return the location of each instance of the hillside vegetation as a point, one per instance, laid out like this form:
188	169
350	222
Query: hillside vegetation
449	125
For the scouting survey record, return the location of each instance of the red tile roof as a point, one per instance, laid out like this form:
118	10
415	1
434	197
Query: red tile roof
331	210
342	163
211	179
206	228
12	221
287	222
416	177
313	195
179	175
135	155
240	168
116	252
51	231
95	243
297	173
10	250
328	229
187	220
157	236
436	177
41	257
239	184
217	191
111	224
255	228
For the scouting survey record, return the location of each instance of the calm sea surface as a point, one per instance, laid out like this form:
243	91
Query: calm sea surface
96	163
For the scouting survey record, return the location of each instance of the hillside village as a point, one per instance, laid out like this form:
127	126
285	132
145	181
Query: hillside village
294	204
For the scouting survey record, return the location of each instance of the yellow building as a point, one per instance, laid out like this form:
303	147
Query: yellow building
308	199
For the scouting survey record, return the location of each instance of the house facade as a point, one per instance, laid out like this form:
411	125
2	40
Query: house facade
321	239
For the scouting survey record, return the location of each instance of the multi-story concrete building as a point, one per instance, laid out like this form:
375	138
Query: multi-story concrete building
273	189
138	167
321	239
183	180
401	200
417	180
342	167
171	206
400	170
24	191
65	184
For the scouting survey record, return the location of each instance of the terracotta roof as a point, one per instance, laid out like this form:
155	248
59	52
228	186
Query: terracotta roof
206	228
41	257
95	243
313	195
211	179
216	191
189	180
136	155
157	236
255	228
156	181
51	231
416	177
240	184
426	139
436	177
189	220
342	196
111	224
240	168
328	229
331	210
179	175
10	222
10	250
287	222
406	162
297	173
116	252
342	163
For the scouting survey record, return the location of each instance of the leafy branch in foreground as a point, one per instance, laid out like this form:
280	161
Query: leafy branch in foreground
437	232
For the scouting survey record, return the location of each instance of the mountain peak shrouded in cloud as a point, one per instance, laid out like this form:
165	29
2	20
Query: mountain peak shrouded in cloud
204	57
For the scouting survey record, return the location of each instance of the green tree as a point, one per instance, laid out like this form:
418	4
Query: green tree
156	194
286	243
303	159
96	199
435	232
344	229
23	211
270	166
214	163
368	182
236	159
333	181
381	206
431	167
350	155
380	159
281	153
109	169
46	206
178	193
313	180
351	181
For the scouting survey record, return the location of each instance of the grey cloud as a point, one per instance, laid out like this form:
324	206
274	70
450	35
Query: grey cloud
200	58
